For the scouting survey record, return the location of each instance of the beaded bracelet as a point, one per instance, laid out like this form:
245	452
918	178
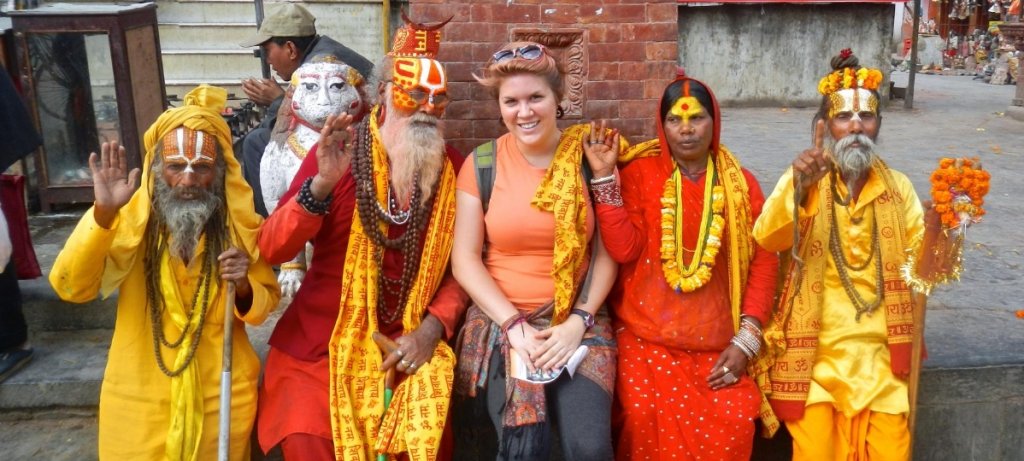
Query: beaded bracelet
310	203
608	193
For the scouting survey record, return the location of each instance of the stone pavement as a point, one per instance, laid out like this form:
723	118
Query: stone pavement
973	384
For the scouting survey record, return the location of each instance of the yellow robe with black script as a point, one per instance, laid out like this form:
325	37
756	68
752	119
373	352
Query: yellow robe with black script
135	398
851	369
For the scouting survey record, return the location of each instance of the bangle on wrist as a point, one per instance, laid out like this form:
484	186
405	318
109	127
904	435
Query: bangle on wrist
603	180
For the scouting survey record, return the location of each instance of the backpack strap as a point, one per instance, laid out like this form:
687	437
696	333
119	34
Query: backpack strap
483	161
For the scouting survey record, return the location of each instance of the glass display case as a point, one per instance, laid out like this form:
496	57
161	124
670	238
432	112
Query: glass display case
93	74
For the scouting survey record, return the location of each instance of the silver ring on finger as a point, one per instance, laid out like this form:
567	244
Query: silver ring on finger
730	378
725	369
406	363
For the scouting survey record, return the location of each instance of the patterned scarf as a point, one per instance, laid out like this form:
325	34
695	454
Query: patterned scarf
784	369
563	180
415	419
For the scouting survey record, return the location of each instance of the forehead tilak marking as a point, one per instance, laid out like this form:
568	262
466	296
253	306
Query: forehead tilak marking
181	143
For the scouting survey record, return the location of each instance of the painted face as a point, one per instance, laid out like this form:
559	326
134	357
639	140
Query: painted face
688	130
420	83
853	112
325	88
189	159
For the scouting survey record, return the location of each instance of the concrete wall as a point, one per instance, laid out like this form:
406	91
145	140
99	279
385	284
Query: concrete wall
764	55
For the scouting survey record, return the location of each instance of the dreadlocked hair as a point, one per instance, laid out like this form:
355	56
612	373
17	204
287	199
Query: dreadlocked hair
155	244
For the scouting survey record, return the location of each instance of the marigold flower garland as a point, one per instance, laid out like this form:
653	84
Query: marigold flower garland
958	193
868	79
709	240
958	190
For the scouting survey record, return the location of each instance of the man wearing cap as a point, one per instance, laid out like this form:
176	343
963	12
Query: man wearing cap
170	249
838	347
380	213
287	38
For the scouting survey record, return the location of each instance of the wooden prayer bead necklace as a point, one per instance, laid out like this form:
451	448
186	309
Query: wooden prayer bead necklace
371	212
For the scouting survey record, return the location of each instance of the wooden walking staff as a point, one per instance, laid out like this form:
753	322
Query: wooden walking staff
224	442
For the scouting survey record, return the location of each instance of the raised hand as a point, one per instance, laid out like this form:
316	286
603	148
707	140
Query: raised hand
333	154
601	148
113	185
812	164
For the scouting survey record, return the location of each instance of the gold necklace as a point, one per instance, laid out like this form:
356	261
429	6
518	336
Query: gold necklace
709	241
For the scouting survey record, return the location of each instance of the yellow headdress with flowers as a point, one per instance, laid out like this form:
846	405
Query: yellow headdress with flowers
849	87
849	75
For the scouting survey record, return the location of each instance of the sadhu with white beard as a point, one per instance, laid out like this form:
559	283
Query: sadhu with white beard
838	347
169	247
382	233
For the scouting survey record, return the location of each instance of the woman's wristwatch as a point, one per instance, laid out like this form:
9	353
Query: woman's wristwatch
588	318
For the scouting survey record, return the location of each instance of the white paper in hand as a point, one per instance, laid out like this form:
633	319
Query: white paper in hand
519	370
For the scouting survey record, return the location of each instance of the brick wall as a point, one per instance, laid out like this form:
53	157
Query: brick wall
619	55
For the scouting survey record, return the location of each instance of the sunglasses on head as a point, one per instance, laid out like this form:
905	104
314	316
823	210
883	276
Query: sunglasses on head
530	52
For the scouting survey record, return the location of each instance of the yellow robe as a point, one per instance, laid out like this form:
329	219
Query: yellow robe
851	369
135	397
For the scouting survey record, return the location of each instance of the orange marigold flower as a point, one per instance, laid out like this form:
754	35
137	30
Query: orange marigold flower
1020	314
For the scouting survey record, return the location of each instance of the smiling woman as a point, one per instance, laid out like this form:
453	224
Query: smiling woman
541	243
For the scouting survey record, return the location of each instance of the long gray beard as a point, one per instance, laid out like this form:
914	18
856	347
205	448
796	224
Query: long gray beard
414	145
184	220
853	162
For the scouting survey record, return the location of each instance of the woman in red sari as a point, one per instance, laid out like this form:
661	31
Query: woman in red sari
693	288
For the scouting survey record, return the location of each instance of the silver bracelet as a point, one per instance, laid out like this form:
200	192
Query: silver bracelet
604	180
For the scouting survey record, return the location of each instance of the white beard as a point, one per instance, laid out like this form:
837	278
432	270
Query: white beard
185	220
413	144
853	162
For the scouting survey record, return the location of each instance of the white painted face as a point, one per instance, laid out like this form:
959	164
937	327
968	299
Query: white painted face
325	88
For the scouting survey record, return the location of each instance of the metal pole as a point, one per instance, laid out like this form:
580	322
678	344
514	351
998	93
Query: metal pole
386	21
908	100
264	65
224	441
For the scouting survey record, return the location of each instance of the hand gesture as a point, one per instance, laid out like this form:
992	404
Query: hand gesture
234	267
602	149
560	342
261	91
729	368
416	348
113	185
333	154
812	164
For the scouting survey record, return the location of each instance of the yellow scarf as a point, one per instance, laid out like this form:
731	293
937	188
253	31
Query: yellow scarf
563	181
415	420
739	226
187	411
784	368
201	111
